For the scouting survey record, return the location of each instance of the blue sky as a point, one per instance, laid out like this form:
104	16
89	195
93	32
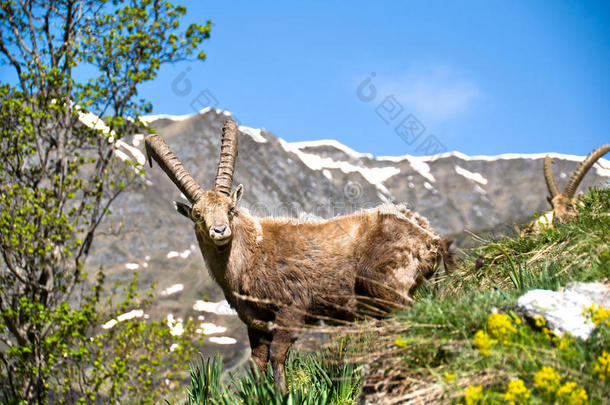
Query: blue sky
482	77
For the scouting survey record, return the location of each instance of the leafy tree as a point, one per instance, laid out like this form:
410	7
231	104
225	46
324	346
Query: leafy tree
78	66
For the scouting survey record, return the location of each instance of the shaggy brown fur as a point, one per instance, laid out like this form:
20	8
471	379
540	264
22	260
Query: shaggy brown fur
280	274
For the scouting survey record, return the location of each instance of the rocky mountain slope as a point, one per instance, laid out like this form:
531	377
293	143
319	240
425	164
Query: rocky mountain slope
320	178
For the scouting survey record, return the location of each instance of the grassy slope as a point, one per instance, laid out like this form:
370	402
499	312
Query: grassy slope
428	352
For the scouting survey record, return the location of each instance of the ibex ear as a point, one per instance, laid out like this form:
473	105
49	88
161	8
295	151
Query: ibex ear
183	209
237	193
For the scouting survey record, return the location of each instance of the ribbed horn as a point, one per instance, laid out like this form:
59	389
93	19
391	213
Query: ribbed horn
228	153
551	184
583	168
157	149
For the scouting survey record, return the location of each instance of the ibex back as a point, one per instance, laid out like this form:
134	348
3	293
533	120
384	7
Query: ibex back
280	274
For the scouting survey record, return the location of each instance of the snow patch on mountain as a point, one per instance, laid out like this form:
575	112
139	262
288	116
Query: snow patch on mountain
254	133
334	144
147	119
137	139
479	189
135	152
602	167
123	150
418	163
95	122
374	175
471	175
420	166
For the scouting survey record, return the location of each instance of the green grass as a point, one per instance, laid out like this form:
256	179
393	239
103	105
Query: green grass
312	381
428	352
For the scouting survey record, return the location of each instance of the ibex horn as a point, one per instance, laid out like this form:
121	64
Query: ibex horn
228	153
157	149
551	184
583	168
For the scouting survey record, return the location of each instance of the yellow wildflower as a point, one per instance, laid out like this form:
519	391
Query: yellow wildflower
547	380
483	342
602	366
570	393
517	392
565	342
473	394
539	321
549	335
588	311
601	315
400	342
597	314
500	327
449	377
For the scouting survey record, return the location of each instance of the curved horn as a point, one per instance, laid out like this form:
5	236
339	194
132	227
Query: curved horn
228	153
157	149
583	168
551	184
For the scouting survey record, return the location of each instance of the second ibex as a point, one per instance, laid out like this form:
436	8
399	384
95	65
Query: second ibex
280	274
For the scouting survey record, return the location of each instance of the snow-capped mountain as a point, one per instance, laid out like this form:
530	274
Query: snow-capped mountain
318	178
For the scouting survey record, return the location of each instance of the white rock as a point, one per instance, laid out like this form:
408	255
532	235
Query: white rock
207	328
136	313
223	340
563	310
176	288
110	324
219	308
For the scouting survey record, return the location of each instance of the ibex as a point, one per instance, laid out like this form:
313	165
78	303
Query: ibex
563	203
280	274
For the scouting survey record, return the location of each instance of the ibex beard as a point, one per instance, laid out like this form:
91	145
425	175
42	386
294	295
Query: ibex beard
281	274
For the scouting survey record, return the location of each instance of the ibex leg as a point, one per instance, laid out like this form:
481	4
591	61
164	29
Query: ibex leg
259	342
280	344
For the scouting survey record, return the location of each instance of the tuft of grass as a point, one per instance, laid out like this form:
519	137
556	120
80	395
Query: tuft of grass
312	381
205	380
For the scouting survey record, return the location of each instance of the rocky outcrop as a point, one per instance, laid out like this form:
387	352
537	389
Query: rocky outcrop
564	310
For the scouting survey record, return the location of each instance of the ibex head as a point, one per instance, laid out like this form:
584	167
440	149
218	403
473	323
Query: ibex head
212	210
563	203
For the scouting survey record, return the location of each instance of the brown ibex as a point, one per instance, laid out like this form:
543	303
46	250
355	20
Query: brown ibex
564	203
280	274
